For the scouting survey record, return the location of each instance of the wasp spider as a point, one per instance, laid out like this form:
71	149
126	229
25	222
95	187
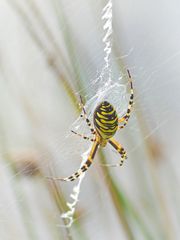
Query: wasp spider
106	123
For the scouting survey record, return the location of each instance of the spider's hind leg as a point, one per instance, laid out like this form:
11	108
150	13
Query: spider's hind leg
86	118
83	136
126	117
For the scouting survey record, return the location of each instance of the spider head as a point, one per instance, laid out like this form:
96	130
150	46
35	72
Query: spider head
103	142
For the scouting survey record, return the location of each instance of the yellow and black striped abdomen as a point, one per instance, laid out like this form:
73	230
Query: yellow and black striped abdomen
105	120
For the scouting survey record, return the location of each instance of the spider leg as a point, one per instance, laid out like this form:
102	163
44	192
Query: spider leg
126	117
83	136
85	166
120	150
86	118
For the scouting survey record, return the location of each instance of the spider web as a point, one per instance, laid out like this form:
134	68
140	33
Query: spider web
106	92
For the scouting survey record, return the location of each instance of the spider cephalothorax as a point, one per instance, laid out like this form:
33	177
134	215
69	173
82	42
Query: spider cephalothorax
106	123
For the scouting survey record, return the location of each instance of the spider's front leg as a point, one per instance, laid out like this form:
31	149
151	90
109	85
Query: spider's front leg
120	150
126	117
85	166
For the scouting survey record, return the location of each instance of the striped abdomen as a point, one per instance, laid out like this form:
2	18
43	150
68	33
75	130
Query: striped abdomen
105	120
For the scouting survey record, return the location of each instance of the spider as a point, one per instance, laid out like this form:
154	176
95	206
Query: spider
106	124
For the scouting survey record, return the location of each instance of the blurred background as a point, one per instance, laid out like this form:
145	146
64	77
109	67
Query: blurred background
50	52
